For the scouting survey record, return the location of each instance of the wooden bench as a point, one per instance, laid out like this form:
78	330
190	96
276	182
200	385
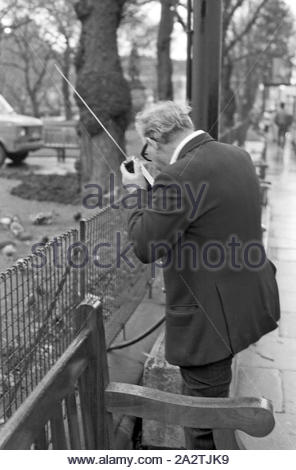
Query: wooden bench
60	136
72	406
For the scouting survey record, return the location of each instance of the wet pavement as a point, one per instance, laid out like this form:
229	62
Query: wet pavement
268	368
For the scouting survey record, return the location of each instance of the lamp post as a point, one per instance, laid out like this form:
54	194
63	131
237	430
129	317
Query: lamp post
189	53
206	66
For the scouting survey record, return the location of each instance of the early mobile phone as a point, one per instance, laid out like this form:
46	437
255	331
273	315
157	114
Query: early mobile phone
129	165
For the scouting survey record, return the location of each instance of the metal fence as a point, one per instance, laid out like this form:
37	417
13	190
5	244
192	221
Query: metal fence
60	134
118	281
39	295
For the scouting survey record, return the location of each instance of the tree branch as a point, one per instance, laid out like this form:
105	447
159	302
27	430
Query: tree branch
236	5
228	15
247	28
6	10
183	5
248	55
12	64
42	73
19	24
180	20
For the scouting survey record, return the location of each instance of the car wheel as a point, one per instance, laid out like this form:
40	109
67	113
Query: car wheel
3	155
18	158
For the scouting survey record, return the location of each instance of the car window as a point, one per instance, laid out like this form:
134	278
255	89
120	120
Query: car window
5	107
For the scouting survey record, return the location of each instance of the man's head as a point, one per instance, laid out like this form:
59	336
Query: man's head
282	105
163	126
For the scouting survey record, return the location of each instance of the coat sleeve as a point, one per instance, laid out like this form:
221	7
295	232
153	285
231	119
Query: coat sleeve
155	228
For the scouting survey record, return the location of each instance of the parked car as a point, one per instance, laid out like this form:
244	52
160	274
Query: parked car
19	134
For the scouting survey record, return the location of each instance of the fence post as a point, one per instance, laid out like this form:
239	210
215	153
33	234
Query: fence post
82	269
96	377
79	316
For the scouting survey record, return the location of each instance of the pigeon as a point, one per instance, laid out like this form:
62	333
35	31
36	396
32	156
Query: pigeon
45	239
9	250
25	236
4	243
42	218
5	221
77	216
16	228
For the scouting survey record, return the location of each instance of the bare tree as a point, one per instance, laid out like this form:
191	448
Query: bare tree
62	31
58	29
250	41
231	37
134	23
168	16
29	55
10	18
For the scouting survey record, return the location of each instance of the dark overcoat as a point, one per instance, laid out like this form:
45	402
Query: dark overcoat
221	291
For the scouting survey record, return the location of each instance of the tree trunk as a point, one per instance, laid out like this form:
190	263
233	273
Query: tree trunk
101	83
251	89
35	105
65	86
164	62
228	99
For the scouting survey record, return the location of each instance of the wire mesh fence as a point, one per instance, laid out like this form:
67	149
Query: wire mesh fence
112	272
37	299
39	295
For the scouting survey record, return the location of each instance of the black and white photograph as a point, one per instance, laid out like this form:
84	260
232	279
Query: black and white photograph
147	232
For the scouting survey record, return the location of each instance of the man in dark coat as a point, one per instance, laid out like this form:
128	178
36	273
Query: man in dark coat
283	120
202	217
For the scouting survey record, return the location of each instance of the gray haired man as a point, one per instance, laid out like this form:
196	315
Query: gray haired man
219	306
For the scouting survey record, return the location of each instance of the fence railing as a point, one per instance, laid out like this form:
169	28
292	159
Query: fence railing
39	295
60	135
118	283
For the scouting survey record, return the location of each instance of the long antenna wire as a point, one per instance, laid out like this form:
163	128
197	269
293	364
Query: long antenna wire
91	111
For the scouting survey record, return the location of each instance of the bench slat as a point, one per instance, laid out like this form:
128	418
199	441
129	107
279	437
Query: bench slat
41	441
73	422
87	412
251	415
227	439
57	425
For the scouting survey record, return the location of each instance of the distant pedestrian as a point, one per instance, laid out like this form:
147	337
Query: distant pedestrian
283	120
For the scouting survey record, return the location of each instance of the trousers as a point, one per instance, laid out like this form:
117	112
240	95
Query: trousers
210	380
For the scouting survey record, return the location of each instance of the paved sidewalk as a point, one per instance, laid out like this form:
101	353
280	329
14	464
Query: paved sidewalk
268	368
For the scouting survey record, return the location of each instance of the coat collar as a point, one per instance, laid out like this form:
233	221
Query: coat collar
194	140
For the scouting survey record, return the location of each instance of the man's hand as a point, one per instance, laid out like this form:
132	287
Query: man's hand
136	179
